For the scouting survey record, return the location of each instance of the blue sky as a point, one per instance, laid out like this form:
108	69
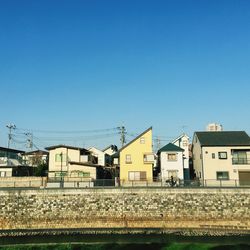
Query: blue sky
94	64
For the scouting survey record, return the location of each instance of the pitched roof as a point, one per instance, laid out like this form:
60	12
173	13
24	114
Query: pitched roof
223	138
64	146
170	148
179	137
11	150
36	152
135	139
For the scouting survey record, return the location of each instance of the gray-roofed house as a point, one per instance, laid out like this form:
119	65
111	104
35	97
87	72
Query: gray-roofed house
171	162
222	158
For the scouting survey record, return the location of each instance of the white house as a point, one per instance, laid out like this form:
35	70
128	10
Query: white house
171	162
222	156
183	142
100	155
110	150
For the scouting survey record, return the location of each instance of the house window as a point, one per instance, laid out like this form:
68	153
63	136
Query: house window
222	155
185	143
222	175
84	174
148	158
137	176
213	155
2	174
59	174
172	157
128	159
59	156
240	157
142	140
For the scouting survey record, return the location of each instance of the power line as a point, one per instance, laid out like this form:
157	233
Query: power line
69	131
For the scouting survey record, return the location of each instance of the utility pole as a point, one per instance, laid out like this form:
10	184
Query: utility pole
158	143
10	127
29	140
61	179
122	133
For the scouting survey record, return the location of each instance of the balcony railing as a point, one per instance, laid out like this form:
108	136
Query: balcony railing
241	161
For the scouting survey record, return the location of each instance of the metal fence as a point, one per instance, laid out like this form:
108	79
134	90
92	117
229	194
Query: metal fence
116	183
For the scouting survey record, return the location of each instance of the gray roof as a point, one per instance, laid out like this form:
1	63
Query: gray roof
223	138
65	146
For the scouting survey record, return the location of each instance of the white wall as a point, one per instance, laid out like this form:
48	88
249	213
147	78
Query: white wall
183	142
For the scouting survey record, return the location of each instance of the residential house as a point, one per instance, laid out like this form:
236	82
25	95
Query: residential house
136	159
35	158
11	163
171	162
222	156
110	150
183	142
100	155
71	161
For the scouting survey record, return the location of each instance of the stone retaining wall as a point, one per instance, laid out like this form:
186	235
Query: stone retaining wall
163	209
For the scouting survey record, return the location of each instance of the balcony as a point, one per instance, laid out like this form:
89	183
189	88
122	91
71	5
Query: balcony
241	161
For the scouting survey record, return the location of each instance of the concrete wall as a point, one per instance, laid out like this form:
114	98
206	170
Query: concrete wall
206	209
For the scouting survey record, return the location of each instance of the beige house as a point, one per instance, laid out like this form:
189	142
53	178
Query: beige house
222	158
71	162
136	160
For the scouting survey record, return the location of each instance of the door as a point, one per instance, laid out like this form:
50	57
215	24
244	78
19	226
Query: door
244	177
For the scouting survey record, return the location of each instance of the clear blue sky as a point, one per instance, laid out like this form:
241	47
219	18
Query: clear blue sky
88	64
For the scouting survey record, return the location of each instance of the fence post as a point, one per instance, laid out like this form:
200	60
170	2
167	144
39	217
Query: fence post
220	183
235	183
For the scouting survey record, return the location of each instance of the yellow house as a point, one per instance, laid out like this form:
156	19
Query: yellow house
136	159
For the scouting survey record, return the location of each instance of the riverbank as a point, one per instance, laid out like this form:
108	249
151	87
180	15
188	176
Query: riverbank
123	232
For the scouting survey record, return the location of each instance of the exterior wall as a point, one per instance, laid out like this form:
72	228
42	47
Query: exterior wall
82	168
167	165
99	154
109	151
5	172
197	158
211	166
137	151
183	142
213	210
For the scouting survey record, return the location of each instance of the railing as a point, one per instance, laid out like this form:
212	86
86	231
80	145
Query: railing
241	161
68	182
